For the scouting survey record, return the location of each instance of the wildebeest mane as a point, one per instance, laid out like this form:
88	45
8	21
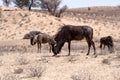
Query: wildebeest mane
59	35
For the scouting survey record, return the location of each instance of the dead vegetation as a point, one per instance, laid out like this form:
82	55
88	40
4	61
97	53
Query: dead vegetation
83	75
21	60
10	76
36	71
106	61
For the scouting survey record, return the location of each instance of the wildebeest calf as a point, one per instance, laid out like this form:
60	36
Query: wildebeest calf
42	38
107	41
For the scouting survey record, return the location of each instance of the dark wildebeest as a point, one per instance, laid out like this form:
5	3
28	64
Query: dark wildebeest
107	41
42	38
70	32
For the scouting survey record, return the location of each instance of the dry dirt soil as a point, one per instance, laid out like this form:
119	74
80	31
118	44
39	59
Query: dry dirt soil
20	61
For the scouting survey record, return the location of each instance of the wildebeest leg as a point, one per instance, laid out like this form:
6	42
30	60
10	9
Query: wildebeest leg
89	45
50	48
93	44
104	46
69	47
109	48
38	47
101	47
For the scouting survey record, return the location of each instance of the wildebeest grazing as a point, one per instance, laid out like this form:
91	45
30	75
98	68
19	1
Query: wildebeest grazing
107	41
42	38
67	33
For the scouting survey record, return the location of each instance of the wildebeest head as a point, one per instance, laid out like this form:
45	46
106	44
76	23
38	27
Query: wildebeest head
56	48
33	39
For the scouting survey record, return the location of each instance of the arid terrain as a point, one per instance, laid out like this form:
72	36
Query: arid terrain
20	61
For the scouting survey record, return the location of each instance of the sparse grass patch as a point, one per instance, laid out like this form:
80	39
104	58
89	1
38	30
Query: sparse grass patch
22	60
10	76
106	61
36	71
71	59
18	70
77	77
81	76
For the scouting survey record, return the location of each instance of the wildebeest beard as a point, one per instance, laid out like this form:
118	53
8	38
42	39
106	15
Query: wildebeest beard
56	48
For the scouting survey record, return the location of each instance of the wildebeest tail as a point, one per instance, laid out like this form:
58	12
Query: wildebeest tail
92	34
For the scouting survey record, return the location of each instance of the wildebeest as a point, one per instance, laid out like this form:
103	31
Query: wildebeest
31	33
42	38
107	41
67	33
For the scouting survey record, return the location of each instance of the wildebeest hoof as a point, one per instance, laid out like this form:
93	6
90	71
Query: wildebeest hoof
68	55
87	54
94	53
54	55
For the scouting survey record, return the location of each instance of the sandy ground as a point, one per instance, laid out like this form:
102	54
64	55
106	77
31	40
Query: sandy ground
30	65
20	61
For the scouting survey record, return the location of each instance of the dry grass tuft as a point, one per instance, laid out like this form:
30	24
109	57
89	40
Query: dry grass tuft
10	76
71	59
106	61
36	71
22	60
81	76
18	70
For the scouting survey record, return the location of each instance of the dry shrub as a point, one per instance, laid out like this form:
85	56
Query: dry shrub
18	70
82	76
22	60
85	75
36	71
106	61
10	76
77	77
71	59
